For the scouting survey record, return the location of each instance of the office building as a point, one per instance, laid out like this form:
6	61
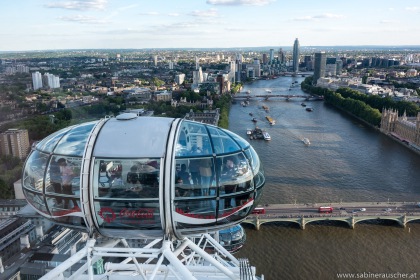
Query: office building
296	54
271	56
320	65
282	57
14	142
265	58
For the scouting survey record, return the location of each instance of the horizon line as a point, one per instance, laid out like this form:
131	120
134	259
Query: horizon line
215	48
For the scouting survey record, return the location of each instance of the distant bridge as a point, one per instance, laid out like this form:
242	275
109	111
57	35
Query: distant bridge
286	96
296	74
349	213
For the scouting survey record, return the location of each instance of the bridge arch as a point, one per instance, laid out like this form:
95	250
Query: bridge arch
412	219
399	220
308	221
292	221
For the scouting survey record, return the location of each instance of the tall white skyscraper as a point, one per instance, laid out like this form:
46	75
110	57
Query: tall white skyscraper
179	79
197	65
51	81
197	76
37	80
296	55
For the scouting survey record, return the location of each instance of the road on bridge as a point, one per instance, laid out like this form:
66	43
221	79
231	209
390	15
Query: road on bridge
342	209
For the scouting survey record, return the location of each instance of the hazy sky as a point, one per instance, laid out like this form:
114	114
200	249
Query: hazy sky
81	24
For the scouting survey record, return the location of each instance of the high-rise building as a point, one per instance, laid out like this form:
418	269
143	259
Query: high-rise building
308	62
198	76
51	81
257	67
37	80
265	59
238	67
296	54
271	56
282	57
155	60
197	64
180	78
14	142
320	65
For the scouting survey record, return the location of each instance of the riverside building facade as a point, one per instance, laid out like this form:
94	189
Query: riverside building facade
403	128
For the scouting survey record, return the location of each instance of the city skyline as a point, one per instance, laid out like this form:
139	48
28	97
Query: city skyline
110	24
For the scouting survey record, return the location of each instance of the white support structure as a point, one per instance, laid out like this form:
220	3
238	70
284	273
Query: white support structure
159	259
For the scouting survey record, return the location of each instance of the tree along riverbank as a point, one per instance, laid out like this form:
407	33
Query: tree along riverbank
365	107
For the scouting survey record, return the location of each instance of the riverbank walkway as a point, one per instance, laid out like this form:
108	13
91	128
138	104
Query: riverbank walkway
350	213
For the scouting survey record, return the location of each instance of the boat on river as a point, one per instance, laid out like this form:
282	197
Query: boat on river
309	109
270	120
306	141
265	107
258	133
254	119
303	104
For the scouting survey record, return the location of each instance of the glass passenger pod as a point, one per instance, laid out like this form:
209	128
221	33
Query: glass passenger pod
51	178
143	177
214	175
126	177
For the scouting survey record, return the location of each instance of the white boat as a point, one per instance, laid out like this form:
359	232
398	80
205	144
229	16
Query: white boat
248	131
266	136
306	141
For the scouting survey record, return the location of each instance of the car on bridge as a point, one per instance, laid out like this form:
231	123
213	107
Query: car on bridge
362	209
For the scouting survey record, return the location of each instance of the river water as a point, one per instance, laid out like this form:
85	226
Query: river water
347	161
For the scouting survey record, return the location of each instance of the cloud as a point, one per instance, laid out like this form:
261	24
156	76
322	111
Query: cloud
239	2
79	5
388	21
307	18
174	14
84	19
149	14
318	17
412	9
206	13
129	7
327	15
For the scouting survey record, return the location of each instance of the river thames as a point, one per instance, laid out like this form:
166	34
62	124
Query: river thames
346	161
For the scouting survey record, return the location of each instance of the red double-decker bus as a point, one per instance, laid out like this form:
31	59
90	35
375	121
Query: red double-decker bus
258	210
325	209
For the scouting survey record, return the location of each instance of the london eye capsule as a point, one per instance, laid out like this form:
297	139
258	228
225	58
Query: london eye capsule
143	177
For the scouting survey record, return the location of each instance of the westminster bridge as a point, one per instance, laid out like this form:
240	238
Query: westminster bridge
349	213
